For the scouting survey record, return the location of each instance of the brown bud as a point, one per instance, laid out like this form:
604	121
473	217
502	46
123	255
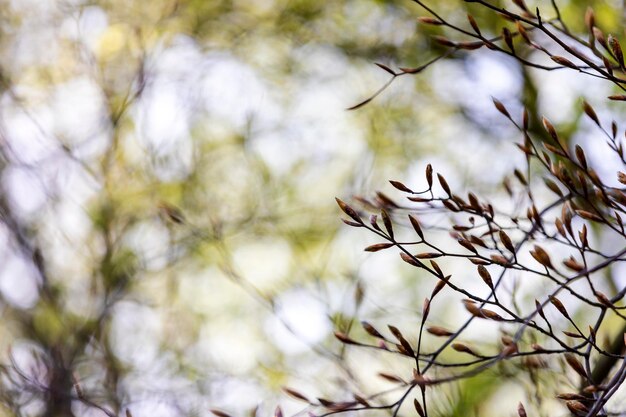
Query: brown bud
559	305
438	331
295	394
444	184
416	226
603	299
485	275
509	350
443	41
507	340
172	213
425	309
553	187
427	20
599	35
616	49
473	309
429	175
421	380
506	241
371	330
571	396
534	362
403	342
418	408
499	259
573	335
508	39
437	269
385	68
523	33
575	364
378	246
539	309
572	264
607	65
549	128
349	211
343	338
559	226
492	315
501	107
391	378
577	407
580	155
387	222
520	177
473	24
521	5
469	45
428	255
589	111
439	286
582	235
361	400
385	201
564	61
218	413
467	245
592	333
399	186
460	347
541	256
590	20
478	241
589	215
410	260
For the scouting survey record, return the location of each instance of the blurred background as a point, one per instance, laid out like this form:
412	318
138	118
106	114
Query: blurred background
170	239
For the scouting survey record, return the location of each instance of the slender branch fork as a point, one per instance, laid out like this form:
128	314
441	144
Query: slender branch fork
495	241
